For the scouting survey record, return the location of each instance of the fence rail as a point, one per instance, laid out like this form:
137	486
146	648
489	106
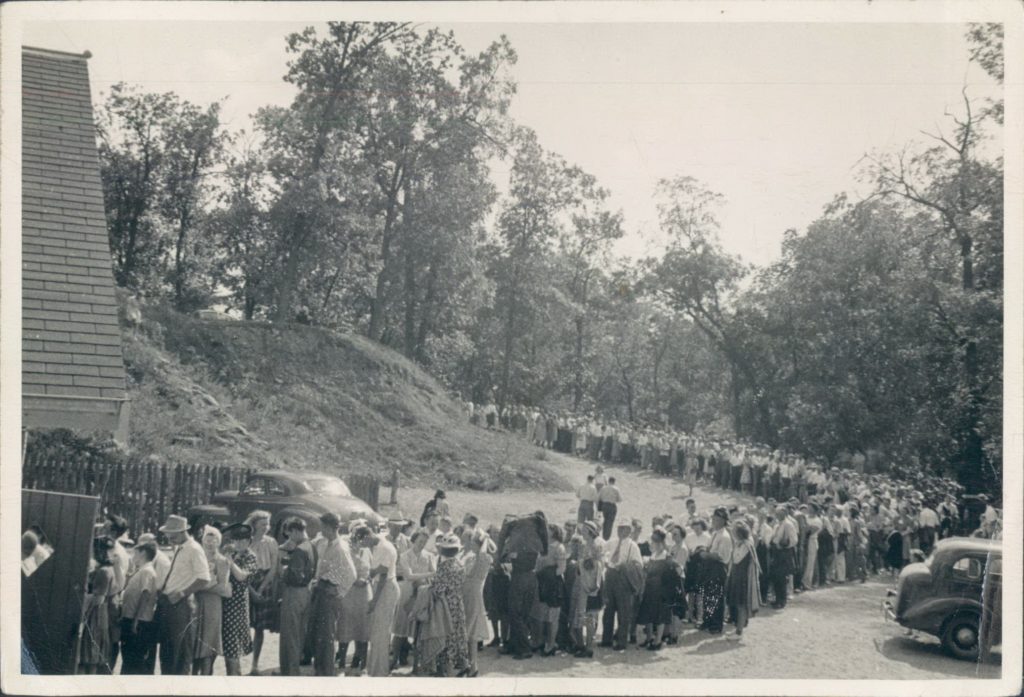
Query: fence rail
145	493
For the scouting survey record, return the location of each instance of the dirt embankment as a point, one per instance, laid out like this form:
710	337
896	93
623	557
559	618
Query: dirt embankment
301	397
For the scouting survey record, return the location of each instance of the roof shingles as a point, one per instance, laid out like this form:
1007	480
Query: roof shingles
71	343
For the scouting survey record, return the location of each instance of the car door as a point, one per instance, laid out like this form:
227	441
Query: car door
966	576
252	495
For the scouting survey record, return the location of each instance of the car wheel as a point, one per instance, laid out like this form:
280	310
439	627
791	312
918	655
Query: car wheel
961	636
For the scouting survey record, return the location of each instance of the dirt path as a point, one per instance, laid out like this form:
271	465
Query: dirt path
836	632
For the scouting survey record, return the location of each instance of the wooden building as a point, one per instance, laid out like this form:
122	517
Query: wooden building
73	372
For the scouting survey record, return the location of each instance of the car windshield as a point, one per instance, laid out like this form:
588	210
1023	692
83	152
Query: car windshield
329	486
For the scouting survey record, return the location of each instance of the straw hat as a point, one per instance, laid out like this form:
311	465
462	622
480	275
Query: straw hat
174	524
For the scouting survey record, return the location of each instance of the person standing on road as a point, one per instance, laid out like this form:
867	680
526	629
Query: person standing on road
237	637
335	575
383	562
298	568
608	500
265	616
622	583
782	555
741	588
715	571
587	494
176	606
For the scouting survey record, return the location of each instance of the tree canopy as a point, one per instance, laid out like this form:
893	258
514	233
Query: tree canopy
369	204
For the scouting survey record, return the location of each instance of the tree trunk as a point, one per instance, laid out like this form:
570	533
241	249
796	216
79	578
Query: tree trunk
377	304
577	395
179	255
426	314
410	274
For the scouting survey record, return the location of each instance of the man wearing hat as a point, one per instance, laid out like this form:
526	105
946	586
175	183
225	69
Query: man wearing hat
335	574
716	561
176	606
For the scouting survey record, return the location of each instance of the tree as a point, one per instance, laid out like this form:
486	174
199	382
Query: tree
696	277
313	144
194	145
241	227
132	128
585	246
962	194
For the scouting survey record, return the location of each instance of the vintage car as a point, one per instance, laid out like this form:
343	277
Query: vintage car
951	594
306	495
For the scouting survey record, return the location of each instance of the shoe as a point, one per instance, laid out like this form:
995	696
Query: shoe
654	647
584	653
549	654
494	642
605	644
619	648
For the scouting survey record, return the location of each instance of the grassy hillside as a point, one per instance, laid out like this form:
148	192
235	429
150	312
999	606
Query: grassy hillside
300	397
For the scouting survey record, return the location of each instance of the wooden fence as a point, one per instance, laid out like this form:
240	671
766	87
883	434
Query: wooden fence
145	493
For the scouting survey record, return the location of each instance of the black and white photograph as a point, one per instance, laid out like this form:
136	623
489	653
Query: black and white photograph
544	348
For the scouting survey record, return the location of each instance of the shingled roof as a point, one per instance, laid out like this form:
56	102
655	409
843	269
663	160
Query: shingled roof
72	370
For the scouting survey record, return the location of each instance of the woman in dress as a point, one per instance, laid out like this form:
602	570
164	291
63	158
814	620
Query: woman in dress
237	636
660	581
453	657
94	654
814	526
550	581
477	565
415	566
209	605
354	620
741	587
679	553
496	599
264	609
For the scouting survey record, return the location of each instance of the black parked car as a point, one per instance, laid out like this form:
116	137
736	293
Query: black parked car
951	594
306	495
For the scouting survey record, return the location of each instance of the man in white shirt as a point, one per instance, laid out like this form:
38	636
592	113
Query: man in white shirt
383	576
608	500
176	606
335	574
623	580
587	494
929	522
782	554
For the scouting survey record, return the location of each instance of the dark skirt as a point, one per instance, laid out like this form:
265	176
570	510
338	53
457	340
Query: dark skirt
894	551
496	588
265	612
660	591
692	574
737	585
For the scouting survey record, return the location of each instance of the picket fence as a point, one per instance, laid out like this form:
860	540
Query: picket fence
145	493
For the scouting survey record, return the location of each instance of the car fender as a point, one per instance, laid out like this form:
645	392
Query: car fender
931	615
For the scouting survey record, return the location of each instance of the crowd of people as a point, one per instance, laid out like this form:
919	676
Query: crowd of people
907	490
432	593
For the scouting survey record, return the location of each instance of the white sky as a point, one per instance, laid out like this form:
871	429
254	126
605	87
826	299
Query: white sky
773	116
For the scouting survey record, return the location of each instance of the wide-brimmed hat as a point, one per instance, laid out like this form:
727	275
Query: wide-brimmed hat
174	524
238	531
591	527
